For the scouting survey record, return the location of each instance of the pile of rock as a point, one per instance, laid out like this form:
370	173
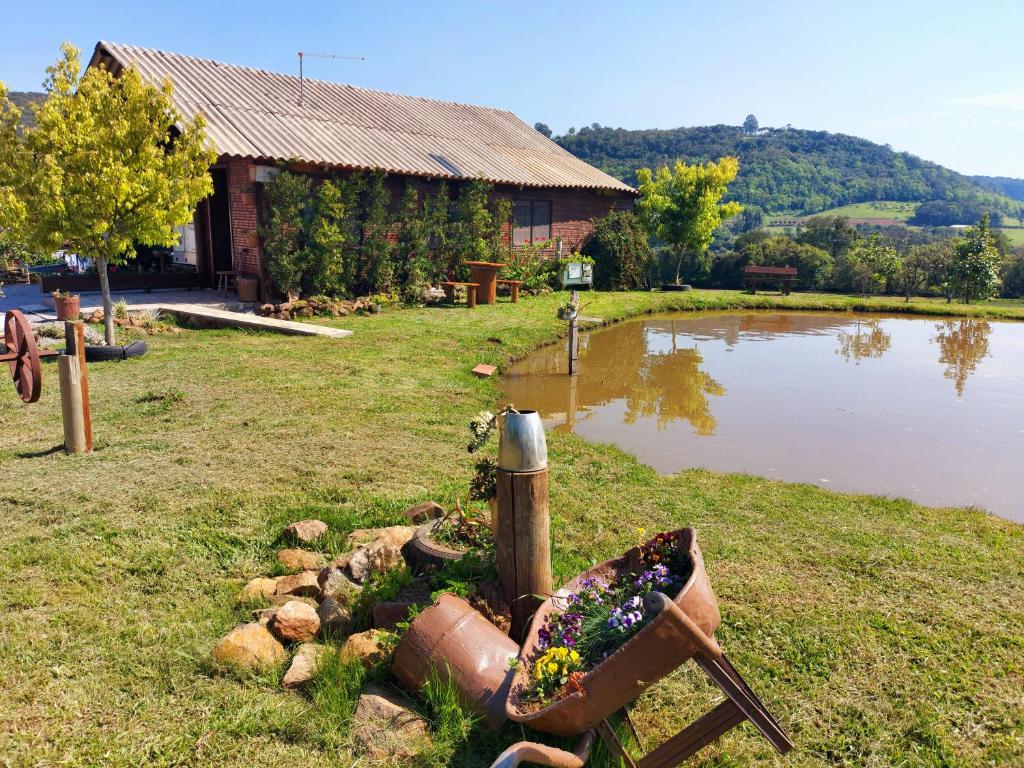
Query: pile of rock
317	305
142	320
315	600
312	610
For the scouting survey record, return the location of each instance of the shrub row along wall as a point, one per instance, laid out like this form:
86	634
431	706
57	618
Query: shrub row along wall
572	210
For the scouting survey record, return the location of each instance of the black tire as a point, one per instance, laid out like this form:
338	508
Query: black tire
422	552
101	353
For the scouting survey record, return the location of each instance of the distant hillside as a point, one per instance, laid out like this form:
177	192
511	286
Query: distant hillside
787	170
23	100
1003	184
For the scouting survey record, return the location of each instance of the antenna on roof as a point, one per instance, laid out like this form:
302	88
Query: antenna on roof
304	54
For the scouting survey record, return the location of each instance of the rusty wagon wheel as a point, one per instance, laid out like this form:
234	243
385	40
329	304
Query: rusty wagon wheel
22	356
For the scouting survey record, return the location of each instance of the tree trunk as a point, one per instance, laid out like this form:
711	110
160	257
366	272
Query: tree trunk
108	304
679	265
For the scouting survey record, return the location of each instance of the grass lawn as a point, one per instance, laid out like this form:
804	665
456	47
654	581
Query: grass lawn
879	632
1015	236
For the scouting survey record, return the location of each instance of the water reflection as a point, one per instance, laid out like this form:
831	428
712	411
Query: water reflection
774	394
671	386
866	340
643	368
962	345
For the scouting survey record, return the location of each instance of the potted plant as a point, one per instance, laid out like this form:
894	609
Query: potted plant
448	538
570	309
67	305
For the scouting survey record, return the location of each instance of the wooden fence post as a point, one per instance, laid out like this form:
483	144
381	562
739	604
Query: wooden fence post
74	390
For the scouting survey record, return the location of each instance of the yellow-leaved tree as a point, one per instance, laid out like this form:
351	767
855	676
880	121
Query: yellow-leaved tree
110	165
683	208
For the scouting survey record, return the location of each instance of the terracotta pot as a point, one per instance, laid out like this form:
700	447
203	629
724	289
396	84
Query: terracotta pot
68	307
450	637
653	652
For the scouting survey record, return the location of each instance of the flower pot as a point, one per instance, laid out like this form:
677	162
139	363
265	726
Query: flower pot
451	637
653	652
68	307
522	446
247	289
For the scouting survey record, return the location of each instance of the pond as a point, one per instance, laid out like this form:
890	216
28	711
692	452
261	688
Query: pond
930	409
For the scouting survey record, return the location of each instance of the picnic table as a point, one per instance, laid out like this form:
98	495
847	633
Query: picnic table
485	275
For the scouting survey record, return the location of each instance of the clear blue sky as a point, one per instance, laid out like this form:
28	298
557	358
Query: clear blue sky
943	79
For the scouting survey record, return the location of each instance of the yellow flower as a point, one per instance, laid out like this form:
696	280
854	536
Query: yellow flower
574	657
552	667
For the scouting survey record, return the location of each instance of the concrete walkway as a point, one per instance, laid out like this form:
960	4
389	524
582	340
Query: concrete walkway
202	304
251	321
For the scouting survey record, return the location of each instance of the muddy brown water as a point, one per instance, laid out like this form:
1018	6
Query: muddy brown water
930	409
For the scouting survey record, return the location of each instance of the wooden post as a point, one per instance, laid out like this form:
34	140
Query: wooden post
71	403
574	336
523	543
74	390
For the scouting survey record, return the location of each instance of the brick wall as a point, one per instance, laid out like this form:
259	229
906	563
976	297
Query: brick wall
572	211
245	242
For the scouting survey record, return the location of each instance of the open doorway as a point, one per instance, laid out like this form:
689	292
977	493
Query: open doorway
219	228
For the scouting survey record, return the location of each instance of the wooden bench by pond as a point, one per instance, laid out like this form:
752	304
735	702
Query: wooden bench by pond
471	288
515	288
782	277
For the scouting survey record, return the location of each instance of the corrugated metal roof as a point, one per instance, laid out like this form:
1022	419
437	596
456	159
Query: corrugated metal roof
254	113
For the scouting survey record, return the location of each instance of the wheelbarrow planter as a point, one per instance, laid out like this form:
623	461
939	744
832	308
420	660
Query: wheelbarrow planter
450	634
651	654
682	629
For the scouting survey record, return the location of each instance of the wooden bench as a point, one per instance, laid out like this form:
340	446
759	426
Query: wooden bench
451	285
783	277
515	288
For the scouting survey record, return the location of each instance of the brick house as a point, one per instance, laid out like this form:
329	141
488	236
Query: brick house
259	120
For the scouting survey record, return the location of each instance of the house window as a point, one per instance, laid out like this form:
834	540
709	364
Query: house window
531	221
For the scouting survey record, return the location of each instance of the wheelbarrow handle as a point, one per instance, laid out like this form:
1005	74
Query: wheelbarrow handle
660	603
541	754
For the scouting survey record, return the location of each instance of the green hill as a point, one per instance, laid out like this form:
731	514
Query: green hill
788	170
1003	184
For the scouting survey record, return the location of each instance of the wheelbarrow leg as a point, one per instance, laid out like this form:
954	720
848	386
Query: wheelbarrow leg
728	679
694	737
611	740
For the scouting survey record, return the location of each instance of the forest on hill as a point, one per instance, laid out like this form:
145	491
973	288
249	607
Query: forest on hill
788	170
1003	185
23	100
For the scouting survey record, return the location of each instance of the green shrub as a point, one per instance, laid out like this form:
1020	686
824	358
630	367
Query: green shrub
325	269
527	263
284	236
621	252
